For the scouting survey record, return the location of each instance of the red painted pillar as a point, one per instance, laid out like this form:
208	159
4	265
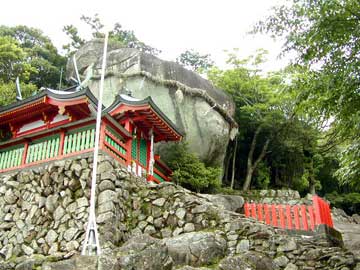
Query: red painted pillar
274	216
26	147
296	217
317	209
128	127
62	140
253	210
102	135
267	214
289	217
312	217
246	210
330	221
281	216
259	210
304	218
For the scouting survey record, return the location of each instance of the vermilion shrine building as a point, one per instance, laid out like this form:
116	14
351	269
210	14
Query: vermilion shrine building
56	124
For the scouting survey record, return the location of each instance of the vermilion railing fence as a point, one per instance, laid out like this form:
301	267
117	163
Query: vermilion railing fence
292	217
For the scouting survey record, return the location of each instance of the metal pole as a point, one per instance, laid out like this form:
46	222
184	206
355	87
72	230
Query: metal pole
91	242
61	73
77	71
18	89
151	161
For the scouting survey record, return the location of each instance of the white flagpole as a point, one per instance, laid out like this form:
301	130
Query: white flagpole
91	241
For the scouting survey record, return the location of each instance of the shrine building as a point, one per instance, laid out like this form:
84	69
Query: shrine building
54	125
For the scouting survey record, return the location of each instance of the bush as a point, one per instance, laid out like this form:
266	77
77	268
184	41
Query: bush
189	171
349	202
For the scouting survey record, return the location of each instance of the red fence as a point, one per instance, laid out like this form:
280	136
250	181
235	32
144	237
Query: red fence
296	217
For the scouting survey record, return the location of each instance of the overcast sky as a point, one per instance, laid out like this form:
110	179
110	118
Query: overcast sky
173	26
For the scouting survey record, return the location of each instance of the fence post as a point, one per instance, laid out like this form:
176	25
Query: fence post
26	147
281	216
304	218
246	208
288	217
267	214
328	211
296	217
259	210
274	216
253	210
312	219
317	209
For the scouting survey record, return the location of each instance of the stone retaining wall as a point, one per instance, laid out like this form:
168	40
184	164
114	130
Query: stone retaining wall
43	215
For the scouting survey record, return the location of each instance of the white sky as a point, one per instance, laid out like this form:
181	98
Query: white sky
172	26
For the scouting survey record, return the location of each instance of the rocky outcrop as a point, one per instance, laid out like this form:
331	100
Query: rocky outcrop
199	109
349	228
141	226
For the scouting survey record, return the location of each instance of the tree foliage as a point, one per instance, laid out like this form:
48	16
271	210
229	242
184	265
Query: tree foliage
189	171
8	91
27	53
325	37
195	61
126	38
13	61
277	146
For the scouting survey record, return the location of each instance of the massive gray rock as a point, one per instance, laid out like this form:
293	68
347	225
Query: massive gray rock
349	229
144	252
199	109
188	231
248	260
228	202
196	248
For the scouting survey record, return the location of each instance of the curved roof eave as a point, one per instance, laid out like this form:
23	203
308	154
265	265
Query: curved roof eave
120	100
52	94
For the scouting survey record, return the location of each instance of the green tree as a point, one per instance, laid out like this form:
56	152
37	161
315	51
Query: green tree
325	37
8	92
127	38
38	58
13	61
189	171
195	61
276	146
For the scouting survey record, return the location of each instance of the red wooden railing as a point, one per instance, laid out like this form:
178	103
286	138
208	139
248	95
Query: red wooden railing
296	217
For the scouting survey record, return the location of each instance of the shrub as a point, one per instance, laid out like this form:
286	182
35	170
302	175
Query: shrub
349	202
189	171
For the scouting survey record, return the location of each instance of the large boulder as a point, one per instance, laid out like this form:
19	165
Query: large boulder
232	203
248	260
196	248
199	109
144	253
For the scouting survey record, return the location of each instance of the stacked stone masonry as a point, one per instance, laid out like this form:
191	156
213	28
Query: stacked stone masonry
43	215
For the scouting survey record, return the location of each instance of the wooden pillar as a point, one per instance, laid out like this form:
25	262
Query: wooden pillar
129	127
296	217
288	217
304	218
102	135
246	210
317	210
26	148
260	215
62	140
267	214
281	216
274	215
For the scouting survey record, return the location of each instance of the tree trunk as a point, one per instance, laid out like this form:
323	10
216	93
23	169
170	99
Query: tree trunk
233	165
250	165
312	181
312	188
227	165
